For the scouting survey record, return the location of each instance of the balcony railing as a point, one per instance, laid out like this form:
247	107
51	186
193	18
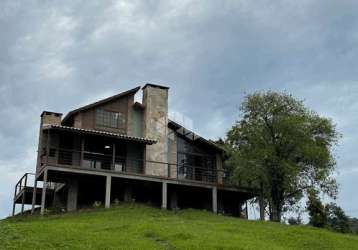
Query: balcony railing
93	160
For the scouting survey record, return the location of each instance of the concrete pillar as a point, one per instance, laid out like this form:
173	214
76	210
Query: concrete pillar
127	194
34	196
173	200
215	199
164	195
72	195
43	196
108	191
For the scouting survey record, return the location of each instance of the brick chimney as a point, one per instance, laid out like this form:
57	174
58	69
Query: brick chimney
155	101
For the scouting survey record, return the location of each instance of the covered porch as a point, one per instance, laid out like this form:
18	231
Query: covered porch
91	149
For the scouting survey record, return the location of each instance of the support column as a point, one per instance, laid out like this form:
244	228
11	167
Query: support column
108	191
72	195
34	196
164	195
43	197
215	199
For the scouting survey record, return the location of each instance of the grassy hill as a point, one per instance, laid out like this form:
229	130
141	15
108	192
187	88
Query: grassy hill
132	226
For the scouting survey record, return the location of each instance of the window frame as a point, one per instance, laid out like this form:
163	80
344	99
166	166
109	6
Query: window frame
109	119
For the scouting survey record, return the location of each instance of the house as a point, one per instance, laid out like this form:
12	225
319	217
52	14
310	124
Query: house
117	149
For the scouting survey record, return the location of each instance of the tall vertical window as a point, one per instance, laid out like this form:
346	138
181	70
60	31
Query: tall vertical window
109	119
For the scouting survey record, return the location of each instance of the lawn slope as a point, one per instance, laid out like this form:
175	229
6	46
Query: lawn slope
132	226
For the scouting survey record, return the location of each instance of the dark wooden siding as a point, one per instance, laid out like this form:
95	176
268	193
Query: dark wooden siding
87	119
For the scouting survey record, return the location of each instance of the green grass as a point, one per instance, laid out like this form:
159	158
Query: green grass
133	226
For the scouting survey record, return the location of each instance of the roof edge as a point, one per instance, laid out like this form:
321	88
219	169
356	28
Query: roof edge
105	100
99	132
208	142
154	86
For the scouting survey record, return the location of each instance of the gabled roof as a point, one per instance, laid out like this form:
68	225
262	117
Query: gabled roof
192	136
100	102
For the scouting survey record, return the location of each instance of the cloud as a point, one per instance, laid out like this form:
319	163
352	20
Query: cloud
60	55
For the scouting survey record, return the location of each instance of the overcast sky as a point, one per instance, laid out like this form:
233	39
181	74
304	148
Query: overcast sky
58	55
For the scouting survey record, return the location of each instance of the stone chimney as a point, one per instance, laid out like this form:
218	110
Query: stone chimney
47	118
155	126
50	118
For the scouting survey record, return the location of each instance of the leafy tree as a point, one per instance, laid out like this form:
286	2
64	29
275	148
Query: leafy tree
316	210
337	219
353	224
281	146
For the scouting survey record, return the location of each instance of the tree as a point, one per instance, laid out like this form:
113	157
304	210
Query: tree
281	146
337	219
316	210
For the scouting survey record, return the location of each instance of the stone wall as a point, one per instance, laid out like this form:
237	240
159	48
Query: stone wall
47	118
155	101
50	118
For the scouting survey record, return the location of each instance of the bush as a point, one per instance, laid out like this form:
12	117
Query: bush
295	221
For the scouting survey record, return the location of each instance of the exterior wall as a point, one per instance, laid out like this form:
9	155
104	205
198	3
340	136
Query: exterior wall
78	121
172	153
87	119
48	118
155	100
129	115
137	123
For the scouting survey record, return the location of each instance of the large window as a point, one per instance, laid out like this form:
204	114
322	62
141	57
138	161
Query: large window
109	119
195	162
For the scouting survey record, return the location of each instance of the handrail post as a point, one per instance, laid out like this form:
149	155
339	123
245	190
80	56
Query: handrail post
14	204
82	149
113	156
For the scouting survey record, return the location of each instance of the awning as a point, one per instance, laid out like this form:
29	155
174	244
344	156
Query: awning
102	133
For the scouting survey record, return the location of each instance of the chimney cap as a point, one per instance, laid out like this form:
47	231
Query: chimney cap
154	86
51	113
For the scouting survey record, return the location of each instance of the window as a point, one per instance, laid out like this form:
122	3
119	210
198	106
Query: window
109	119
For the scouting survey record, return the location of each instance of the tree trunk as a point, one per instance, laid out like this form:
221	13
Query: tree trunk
262	203
276	212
